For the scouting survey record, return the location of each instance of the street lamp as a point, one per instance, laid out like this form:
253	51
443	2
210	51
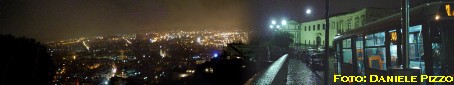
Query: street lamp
308	11
284	22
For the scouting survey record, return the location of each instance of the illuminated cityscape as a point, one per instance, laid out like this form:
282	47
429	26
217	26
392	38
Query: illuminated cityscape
148	57
226	42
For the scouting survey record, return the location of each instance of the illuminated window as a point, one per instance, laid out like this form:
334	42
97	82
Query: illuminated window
377	58
393	50
347	51
393	37
448	10
415	50
360	54
375	51
377	39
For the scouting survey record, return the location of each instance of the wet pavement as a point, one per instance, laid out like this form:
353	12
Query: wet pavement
293	72
300	74
271	75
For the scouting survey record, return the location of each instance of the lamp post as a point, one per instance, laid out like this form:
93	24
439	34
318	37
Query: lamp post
274	26
326	63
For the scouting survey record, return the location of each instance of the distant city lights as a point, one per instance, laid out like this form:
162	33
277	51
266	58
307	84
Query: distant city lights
215	55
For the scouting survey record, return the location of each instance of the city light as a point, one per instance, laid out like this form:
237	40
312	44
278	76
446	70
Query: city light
437	17
215	55
209	70
284	22
74	57
183	75
170	42
86	46
129	42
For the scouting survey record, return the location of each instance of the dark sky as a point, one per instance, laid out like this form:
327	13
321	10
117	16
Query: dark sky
48	20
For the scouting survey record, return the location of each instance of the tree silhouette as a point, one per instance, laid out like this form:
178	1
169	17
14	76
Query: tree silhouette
24	61
282	39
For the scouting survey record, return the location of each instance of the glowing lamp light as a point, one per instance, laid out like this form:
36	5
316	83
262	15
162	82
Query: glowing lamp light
448	10
273	22
284	22
437	17
393	37
271	26
183	75
308	11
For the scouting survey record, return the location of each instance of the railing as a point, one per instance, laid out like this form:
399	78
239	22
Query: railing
275	74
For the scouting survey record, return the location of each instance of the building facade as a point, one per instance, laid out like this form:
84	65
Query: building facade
293	28
311	34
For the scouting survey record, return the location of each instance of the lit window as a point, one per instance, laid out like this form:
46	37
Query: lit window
375	51
347	51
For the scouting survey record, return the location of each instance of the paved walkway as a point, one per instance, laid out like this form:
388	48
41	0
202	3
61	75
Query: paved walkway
300	74
270	74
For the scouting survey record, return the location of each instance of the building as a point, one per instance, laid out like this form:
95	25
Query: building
293	28
311	34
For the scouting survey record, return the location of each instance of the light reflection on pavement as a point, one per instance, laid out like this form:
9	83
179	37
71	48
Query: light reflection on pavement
300	74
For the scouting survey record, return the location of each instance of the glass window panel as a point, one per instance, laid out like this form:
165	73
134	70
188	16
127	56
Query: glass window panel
393	52
443	48
347	54
415	50
337	59
360	55
376	58
370	41
379	39
346	43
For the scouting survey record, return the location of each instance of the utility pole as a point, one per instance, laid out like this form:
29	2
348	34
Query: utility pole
405	23
326	63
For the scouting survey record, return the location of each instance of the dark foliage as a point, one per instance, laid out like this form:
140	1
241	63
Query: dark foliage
282	39
24	62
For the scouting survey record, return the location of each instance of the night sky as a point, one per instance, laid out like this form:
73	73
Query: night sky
48	20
